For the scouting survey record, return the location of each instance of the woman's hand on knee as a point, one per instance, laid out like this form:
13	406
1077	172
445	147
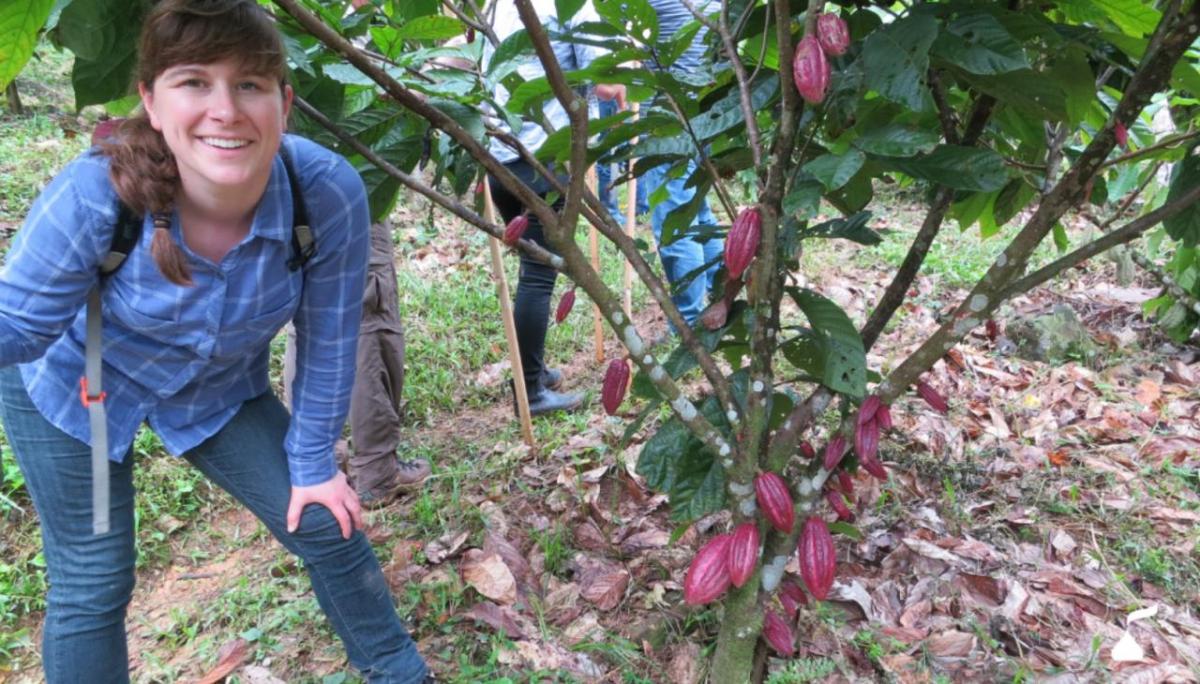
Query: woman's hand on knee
337	495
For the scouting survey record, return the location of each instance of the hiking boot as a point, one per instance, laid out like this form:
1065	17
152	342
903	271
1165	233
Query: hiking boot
549	401
552	378
409	474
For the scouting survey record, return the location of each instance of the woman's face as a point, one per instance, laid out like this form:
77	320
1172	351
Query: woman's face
222	123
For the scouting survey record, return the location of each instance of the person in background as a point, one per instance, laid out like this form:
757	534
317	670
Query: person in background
686	252
187	326
531	309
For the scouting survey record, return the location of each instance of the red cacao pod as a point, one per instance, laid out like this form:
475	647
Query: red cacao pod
807	450
818	560
778	633
743	553
838	503
993	329
834	452
931	397
775	501
742	241
565	304
1122	134
714	316
791	597
866	441
708	575
810	70
883	416
874	467
106	129
515	229
616	381
866	413
845	483
833	34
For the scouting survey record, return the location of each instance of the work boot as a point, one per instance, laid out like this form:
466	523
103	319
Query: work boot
552	378
549	401
409	474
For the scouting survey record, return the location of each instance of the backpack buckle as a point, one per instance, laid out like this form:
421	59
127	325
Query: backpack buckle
85	397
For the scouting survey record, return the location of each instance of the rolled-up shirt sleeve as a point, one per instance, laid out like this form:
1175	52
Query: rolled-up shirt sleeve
327	321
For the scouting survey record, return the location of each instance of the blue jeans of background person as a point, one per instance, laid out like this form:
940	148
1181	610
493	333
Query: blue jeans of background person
91	577
604	177
685	254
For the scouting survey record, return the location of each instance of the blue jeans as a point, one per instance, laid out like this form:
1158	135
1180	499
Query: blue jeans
604	176
91	577
684	254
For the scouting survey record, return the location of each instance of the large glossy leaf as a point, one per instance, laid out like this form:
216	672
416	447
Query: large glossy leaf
853	228
727	112
675	462
896	57
832	350
1133	17
835	170
19	26
978	43
103	35
897	140
1185	226
955	166
434	27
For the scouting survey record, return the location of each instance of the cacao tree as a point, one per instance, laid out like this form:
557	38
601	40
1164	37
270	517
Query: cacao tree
999	112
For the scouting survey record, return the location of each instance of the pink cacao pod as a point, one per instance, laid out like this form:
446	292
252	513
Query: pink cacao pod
775	501
791	597
708	575
515	229
866	441
1122	134
810	70
874	467
834	452
616	381
743	553
742	241
833	34
993	329
565	304
818	560
845	483
883	416
931	397
807	450
838	503
106	129
866	413
778	633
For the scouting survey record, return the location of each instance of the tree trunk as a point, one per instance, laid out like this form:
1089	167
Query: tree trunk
734	658
14	99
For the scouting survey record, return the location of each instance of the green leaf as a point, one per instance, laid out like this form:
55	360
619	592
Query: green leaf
565	9
19	26
835	170
834	350
955	166
1185	226
845	529
896	57
803	198
1061	241
981	45
853	228
505	55
727	112
435	27
897	140
103	36
675	462
1133	17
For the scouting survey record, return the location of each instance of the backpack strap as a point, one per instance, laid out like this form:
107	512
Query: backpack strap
303	244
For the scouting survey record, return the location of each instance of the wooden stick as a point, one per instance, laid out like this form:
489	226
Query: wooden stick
510	326
594	240
631	186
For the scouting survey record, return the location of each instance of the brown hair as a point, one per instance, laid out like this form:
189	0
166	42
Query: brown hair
142	168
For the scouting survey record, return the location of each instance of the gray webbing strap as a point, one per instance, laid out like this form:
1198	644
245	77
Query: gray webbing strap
91	393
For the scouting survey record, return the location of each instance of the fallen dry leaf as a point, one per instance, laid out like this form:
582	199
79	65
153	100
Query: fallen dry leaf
230	657
500	618
488	574
603	583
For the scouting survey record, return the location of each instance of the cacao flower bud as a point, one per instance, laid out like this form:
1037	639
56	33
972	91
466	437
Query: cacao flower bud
833	34
866	413
775	501
883	416
807	450
931	397
866	441
515	229
1122	134
834	452
818	559
791	597
742	241
616	381
845	483
743	553
810	70
708	575
838	504
106	129
565	304
778	634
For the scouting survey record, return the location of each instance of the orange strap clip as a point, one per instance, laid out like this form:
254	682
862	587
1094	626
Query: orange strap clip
85	397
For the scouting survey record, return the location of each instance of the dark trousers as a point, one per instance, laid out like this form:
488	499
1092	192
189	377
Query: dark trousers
535	284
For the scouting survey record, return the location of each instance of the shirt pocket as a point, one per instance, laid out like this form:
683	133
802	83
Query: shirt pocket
249	335
158	320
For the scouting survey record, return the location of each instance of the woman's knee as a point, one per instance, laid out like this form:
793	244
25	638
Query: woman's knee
87	595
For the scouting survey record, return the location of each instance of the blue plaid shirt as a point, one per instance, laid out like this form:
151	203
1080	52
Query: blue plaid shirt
183	359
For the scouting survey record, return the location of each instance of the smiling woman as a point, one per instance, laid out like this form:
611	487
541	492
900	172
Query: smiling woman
187	322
